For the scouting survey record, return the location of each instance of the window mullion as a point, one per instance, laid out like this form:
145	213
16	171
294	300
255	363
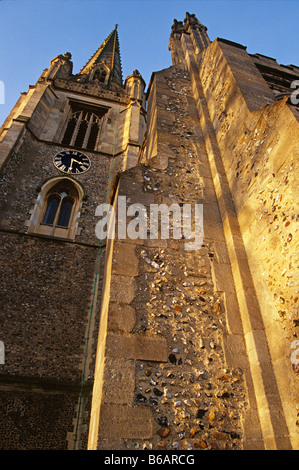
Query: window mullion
100	126
57	215
88	131
73	139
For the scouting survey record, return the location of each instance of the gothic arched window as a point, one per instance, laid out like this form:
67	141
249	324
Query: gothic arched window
56	210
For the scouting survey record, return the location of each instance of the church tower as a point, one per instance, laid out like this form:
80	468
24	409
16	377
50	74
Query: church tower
178	332
61	148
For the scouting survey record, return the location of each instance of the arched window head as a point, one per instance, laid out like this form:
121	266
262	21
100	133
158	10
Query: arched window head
57	209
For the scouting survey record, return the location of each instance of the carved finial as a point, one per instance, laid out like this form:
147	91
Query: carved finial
193	21
177	26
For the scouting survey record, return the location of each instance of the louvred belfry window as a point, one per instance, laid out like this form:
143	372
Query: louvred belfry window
84	127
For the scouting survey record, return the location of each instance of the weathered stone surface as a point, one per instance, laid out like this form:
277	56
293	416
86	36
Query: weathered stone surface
137	347
123	289
124	261
119	381
35	304
121	317
125	422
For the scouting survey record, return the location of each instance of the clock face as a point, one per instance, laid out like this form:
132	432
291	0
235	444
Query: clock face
72	162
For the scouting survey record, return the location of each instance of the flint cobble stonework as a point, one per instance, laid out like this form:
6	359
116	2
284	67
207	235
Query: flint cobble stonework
44	334
47	308
36	421
197	400
216	387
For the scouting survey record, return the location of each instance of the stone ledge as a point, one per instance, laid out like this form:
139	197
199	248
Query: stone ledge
222	278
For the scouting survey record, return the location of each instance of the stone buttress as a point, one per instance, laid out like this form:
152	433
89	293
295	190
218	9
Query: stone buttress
195	346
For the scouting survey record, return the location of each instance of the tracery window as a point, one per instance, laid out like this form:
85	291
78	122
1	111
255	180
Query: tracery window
83	127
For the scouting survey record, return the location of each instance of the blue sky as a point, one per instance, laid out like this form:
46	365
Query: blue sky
32	32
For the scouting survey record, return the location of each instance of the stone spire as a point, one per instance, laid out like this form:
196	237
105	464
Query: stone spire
105	62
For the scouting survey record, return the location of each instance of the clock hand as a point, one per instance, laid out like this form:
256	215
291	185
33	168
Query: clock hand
70	167
72	161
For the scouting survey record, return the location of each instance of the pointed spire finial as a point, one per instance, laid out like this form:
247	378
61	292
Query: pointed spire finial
108	53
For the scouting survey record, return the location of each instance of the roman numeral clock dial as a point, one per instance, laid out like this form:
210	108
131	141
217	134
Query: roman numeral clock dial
71	162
